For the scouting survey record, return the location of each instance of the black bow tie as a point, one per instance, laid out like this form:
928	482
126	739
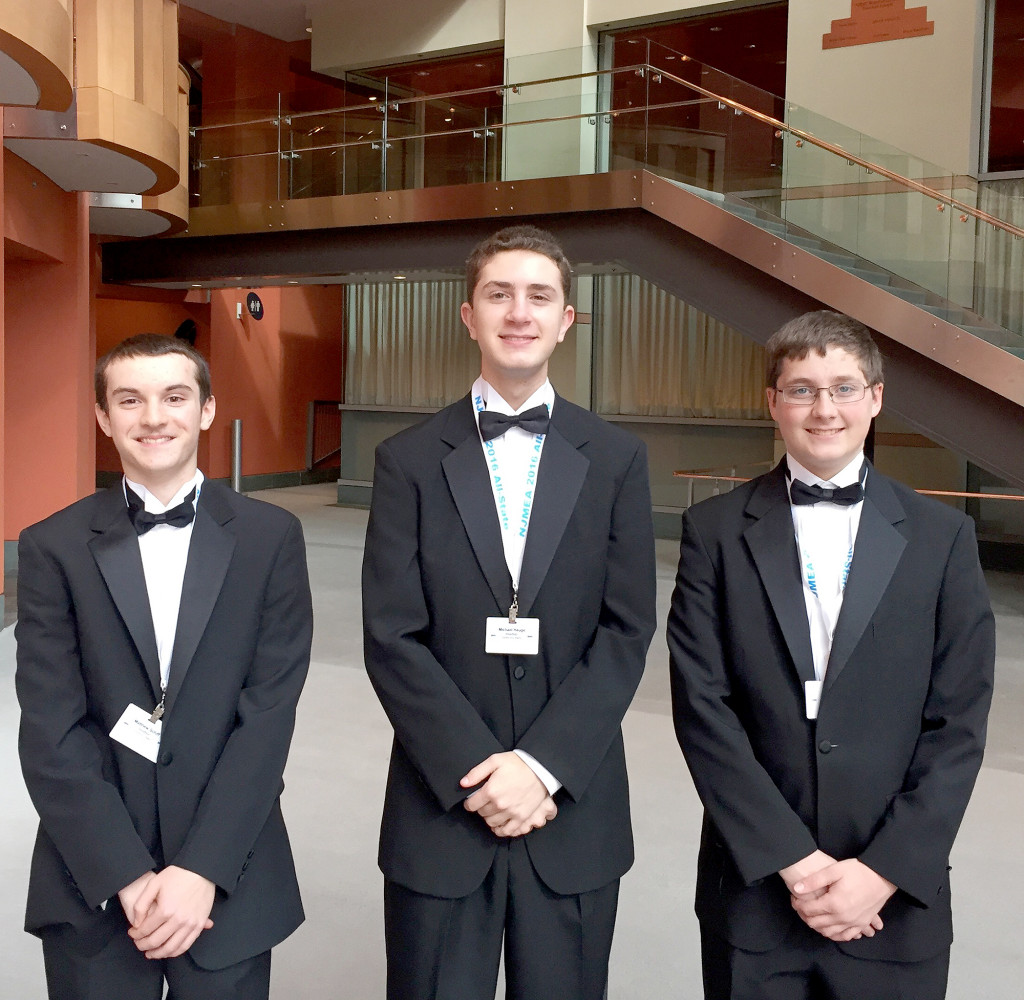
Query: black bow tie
534	421
845	496
143	520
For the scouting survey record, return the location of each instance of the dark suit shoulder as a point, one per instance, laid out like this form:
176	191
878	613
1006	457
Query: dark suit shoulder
76	516
587	425
249	509
456	420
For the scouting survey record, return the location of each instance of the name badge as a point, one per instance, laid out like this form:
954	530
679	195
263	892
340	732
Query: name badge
518	638
812	697
135	731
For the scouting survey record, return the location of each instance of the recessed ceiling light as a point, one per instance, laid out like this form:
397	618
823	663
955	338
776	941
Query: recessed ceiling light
399	277
423	72
447	119
309	29
751	46
715	27
373	98
292	282
632	41
479	65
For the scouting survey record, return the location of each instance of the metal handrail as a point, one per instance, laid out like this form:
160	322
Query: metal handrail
851	158
780	127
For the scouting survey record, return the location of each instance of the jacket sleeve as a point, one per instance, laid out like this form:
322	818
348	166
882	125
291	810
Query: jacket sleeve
912	845
437	727
573	732
247	778
79	805
761	830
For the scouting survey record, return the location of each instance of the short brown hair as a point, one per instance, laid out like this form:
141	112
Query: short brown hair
517	238
151	345
818	331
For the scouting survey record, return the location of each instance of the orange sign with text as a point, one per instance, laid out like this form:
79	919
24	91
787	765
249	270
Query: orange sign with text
878	21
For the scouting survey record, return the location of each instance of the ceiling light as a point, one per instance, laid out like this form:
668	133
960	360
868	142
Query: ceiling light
715	27
309	29
447	119
399	277
373	98
423	72
751	46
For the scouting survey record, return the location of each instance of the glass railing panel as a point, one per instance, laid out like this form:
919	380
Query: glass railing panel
550	106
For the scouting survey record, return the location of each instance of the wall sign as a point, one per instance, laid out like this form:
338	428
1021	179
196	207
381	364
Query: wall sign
878	21
255	305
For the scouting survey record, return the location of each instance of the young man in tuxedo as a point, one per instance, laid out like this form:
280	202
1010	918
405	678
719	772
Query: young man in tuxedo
163	632
832	653
508	603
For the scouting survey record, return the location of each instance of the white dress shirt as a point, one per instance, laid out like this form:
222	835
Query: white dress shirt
512	461
164	550
825	536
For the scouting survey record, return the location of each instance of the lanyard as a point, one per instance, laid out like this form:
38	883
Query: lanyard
513	525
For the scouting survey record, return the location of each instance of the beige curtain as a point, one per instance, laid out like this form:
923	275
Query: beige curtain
656	355
999	274
407	345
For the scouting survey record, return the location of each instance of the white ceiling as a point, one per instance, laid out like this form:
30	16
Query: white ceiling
284	19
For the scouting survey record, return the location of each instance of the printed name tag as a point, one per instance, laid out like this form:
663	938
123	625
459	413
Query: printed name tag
812	697
521	638
135	731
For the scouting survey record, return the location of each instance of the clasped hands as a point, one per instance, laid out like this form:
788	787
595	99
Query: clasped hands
841	900
512	800
167	910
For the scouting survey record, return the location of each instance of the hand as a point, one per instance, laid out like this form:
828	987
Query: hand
170	912
843	901
806	866
546	811
511	797
130	893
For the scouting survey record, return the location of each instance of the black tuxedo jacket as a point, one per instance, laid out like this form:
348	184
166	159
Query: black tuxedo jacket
87	649
434	570
885	773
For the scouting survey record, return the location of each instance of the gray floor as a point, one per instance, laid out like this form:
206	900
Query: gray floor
335	781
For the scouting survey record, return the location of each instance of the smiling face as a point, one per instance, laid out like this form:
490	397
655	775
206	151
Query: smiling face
153	415
824	438
518	316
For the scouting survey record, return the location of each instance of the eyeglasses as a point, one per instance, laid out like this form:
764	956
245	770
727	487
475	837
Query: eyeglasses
806	395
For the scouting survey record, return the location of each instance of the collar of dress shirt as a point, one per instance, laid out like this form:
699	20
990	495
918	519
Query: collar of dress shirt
493	401
154	506
845	477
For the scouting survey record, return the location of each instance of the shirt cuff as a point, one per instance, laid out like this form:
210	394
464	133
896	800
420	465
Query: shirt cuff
550	782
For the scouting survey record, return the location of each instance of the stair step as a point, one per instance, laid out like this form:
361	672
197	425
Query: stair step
915	295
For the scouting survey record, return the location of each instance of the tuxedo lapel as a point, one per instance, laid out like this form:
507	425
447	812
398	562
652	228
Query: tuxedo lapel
465	469
772	544
877	552
115	547
209	555
560	478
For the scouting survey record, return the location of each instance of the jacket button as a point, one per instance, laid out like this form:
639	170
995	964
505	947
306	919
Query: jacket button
519	672
166	757
825	747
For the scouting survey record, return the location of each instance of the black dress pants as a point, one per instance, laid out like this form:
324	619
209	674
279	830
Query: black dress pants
449	949
107	966
807	966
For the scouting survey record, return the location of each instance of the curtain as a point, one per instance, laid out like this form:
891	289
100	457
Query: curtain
999	271
407	345
656	355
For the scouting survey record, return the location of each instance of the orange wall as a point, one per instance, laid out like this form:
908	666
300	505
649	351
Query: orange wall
267	371
48	455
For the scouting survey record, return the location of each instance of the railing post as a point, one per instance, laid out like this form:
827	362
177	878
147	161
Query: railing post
236	455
